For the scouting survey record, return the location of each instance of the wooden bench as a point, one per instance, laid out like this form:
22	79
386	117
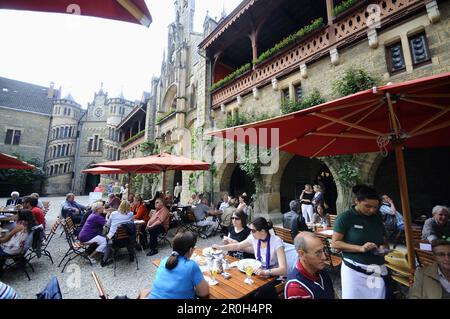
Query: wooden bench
417	236
284	234
424	258
332	219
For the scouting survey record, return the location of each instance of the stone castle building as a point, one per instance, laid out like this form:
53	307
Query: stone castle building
184	103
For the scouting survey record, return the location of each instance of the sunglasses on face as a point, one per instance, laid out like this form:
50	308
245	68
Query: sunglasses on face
236	218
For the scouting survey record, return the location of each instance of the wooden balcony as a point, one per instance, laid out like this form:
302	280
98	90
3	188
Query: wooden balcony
348	27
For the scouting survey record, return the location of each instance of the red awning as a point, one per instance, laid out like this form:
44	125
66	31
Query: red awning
361	122
134	11
157	163
103	170
12	162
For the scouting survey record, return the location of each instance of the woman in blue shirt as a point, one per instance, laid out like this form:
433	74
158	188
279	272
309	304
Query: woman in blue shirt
177	276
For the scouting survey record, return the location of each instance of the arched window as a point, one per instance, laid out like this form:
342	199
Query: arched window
63	150
65	168
58	154
57	132
51	170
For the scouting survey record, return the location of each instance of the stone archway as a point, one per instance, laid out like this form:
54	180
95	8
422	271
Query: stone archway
169	100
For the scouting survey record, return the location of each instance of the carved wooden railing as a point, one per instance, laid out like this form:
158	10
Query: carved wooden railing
346	29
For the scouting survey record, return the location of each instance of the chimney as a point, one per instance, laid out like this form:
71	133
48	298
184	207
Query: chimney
51	90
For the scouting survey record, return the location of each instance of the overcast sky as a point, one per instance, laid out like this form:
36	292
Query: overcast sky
78	52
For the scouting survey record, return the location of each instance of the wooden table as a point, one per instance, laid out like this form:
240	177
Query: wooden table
6	219
319	230
234	287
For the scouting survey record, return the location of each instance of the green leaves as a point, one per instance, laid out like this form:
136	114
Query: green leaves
289	40
343	6
313	99
133	138
149	148
315	24
165	115
354	81
23	181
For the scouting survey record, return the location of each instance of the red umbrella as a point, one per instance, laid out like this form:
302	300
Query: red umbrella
134	11
103	170
413	114
12	162
157	163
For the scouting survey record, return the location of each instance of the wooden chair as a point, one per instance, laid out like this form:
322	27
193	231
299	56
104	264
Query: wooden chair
334	261
76	248
417	236
398	266
19	260
121	240
284	234
279	289
101	292
46	242
332	219
424	258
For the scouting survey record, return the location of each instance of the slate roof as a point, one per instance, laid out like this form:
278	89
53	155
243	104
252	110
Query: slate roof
25	96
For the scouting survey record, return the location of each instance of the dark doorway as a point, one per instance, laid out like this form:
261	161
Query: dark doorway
326	181
177	178
301	171
91	182
427	172
241	183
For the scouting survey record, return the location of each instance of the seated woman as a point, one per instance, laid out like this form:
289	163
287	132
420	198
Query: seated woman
121	216
269	250
92	230
320	215
432	282
238	232
13	243
139	209
177	276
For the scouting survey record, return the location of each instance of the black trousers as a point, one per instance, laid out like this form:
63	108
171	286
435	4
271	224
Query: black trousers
154	232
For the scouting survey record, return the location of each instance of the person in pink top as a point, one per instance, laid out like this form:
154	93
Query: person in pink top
99	188
157	224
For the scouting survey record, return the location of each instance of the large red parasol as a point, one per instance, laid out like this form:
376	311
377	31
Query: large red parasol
134	11
12	162
413	114
157	163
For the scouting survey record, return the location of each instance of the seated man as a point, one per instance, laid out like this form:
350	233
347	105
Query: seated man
70	208
308	279
14	200
438	226
158	223
433	281
113	202
31	204
392	219
293	220
201	212
225	218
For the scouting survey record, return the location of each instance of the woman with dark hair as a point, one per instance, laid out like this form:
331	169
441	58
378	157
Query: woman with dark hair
238	232
320	215
359	233
14	242
177	276
243	203
268	248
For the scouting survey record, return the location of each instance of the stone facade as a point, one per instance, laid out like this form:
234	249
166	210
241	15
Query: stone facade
321	74
182	88
34	129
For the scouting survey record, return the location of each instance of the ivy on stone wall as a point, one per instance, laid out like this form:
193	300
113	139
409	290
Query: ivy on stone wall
343	6
165	115
354	81
313	99
133	138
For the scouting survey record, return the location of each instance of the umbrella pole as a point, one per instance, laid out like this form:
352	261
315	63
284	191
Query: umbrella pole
163	183
401	171
130	185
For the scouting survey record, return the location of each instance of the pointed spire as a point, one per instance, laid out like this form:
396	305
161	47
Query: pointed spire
224	13
101	89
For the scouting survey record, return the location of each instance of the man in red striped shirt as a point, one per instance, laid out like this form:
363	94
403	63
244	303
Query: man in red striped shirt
309	280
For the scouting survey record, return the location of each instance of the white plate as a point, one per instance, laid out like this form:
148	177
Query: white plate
244	262
208	251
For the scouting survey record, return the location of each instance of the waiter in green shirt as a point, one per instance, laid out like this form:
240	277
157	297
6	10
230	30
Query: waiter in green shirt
359	233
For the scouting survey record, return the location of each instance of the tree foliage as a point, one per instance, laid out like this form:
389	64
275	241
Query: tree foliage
23	181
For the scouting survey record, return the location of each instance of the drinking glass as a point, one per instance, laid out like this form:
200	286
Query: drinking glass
248	272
